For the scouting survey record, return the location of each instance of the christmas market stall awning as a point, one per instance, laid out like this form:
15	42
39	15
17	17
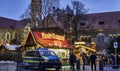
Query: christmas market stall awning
49	39
12	47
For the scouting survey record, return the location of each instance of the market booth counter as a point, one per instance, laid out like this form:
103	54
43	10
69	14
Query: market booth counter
52	41
63	55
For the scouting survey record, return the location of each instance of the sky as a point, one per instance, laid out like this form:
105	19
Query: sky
15	8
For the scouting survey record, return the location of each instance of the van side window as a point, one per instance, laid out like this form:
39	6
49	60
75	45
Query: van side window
29	53
37	54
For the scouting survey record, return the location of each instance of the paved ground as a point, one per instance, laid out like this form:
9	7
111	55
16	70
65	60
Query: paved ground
67	68
110	69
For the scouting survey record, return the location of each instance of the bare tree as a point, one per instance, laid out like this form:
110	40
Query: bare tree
70	16
79	14
78	7
34	13
26	14
46	9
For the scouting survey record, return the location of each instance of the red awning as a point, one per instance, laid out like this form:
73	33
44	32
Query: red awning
51	41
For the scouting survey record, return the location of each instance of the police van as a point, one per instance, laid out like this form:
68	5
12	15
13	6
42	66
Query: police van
41	58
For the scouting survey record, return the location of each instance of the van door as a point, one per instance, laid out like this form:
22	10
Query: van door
37	57
29	55
28	59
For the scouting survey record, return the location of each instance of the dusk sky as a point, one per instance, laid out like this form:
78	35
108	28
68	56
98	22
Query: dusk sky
14	8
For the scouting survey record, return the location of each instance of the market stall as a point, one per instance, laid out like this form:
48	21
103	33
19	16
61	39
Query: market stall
55	42
81	47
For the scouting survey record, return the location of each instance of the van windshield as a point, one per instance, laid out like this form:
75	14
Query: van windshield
47	53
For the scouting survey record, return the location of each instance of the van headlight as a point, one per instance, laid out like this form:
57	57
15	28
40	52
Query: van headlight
45	60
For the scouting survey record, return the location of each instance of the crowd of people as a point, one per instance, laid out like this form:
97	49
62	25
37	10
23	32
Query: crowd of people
91	60
85	60
111	59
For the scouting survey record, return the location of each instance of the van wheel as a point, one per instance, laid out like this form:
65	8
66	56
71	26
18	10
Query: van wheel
41	68
26	67
57	69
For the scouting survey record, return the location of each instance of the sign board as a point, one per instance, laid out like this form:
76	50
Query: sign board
115	45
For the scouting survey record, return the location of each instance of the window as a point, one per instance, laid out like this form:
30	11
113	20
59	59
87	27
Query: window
37	54
101	23
81	38
100	37
82	24
7	36
114	36
85	38
110	38
89	39
30	53
118	21
47	53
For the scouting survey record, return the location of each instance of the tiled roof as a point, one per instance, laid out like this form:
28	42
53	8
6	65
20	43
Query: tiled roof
22	23
111	20
50	21
11	24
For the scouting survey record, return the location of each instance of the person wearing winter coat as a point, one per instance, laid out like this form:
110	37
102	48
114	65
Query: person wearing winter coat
93	61
72	60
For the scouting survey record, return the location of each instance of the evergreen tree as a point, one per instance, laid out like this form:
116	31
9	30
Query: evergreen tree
111	46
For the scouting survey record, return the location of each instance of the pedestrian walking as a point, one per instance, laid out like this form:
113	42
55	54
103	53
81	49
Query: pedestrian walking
72	60
84	59
93	61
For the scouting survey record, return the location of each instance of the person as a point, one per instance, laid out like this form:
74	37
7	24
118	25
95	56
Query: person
84	59
106	60
118	59
112	59
72	60
93	61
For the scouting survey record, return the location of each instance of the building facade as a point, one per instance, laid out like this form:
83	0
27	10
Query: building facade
100	28
12	31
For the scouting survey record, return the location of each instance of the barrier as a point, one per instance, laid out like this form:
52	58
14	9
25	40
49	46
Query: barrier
8	66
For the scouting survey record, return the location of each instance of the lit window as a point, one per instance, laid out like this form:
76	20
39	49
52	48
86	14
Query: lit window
110	38
89	39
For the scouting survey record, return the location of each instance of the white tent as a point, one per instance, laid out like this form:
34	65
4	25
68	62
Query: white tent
12	47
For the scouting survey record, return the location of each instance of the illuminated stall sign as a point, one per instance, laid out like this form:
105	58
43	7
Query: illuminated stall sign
53	36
